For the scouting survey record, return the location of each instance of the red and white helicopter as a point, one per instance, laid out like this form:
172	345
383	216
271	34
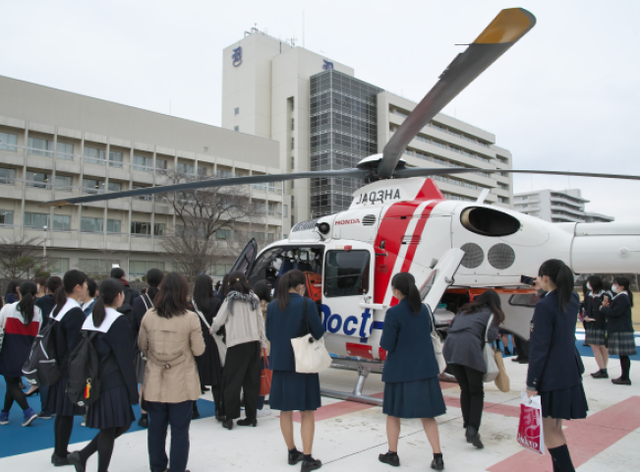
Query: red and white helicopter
401	222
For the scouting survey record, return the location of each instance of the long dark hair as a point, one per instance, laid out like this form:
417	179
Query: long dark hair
262	289
225	285
92	286
12	287
238	283
154	278
28	291
171	299
487	299
203	292
109	290
596	283
562	278
291	279
405	283
69	282
624	283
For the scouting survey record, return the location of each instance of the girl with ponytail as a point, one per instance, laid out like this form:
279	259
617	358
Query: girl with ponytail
68	318
110	334
621	341
291	390
21	322
555	367
410	373
463	353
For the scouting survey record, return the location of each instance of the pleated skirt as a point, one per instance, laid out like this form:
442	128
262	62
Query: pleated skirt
566	404
140	365
595	337
58	400
111	410
292	391
419	399
622	344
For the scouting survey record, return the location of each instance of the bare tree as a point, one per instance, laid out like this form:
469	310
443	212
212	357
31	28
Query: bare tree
20	258
210	225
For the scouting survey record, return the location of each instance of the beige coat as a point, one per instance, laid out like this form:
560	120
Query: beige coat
171	374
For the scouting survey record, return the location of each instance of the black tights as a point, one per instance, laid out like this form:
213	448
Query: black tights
103	444
14	392
62	428
625	365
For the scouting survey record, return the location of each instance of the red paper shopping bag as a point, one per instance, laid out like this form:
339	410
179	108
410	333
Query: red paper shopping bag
530	435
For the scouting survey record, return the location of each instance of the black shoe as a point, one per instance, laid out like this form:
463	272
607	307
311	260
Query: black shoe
247	422
507	352
390	458
308	466
295	456
228	424
621	381
34	392
143	422
219	416
523	361
195	414
515	359
600	375
58	461
75	460
437	463
473	437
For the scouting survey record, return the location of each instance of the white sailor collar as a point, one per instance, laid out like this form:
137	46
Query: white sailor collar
111	316
70	305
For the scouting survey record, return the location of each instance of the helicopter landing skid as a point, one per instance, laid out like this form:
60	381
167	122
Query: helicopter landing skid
364	369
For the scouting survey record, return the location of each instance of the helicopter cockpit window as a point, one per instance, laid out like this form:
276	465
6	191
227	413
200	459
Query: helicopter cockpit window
524	299
346	273
275	262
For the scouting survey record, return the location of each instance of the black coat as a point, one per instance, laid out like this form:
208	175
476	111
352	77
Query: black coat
618	314
68	335
209	367
592	310
46	304
554	362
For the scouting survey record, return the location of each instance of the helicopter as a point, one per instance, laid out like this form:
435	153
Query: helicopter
401	222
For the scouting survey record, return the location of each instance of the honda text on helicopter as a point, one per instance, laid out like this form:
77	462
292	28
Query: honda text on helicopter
401	222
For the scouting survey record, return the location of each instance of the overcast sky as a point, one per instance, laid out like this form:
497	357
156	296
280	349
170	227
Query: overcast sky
566	97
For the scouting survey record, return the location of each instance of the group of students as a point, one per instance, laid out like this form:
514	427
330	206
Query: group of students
172	348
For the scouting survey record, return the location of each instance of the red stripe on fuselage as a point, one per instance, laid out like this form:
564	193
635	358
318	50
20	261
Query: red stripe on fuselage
392	229
411	250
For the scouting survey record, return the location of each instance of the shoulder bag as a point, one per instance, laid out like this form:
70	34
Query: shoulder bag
310	354
489	356
436	341
222	347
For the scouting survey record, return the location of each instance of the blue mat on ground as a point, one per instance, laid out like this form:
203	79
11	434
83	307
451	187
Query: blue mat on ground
16	439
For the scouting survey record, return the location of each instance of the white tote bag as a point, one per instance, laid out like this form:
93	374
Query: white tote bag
436	341
222	347
310	354
489	356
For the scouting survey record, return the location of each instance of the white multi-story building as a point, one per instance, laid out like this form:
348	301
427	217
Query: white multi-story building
56	144
325	118
557	206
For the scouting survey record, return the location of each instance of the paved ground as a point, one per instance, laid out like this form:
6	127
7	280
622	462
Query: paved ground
349	436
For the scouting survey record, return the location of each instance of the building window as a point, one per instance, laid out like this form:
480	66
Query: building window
285	210
293	124
140	227
6	217
63	182
293	143
186	169
258	236
92	186
143	163
202	171
37	180
8	142
161	164
293	163
236	111
57	265
40	147
223	174
95	155
7	176
64	151
140	268
236	128
36	220
115	159
158	230
223	234
95	225
293	199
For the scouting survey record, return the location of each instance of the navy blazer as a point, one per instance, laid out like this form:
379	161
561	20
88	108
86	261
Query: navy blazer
618	314
554	362
68	336
406	337
282	327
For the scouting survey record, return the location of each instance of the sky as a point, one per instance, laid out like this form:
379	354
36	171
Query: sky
565	97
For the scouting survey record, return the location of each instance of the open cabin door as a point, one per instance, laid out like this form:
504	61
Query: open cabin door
441	277
247	257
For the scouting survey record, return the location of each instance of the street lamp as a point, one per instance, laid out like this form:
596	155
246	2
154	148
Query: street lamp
44	247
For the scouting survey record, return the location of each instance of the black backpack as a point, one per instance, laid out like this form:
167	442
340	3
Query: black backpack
85	378
42	367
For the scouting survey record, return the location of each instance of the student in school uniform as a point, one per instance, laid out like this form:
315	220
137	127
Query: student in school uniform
21	323
69	318
555	367
621	340
596	325
410	374
111	413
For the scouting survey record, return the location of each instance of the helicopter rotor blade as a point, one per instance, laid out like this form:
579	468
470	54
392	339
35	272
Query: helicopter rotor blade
202	184
425	172
503	32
